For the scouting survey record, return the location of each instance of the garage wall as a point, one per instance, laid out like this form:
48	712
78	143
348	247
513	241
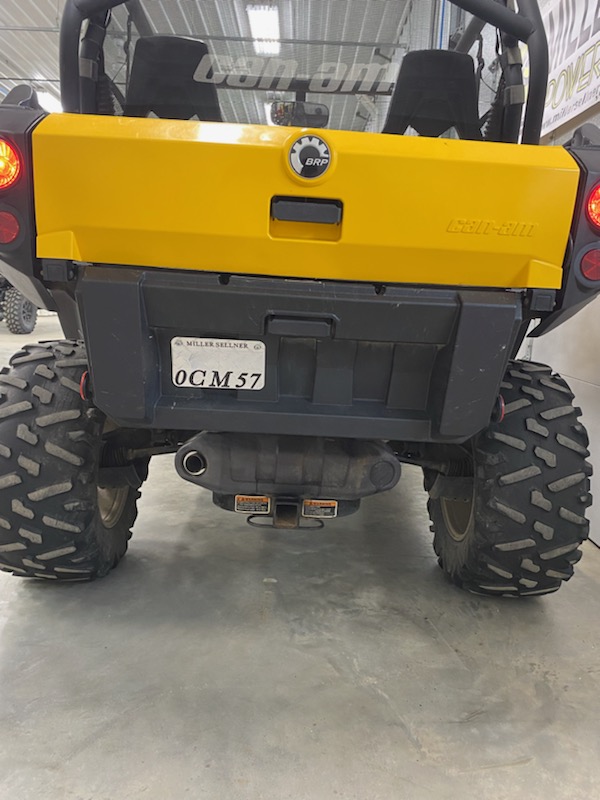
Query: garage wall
564	133
573	349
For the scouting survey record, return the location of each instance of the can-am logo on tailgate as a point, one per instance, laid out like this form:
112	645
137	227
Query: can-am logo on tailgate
310	157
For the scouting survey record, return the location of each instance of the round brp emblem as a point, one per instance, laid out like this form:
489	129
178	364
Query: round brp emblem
310	157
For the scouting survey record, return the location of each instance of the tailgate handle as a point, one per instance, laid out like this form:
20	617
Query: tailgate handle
307	209
304	327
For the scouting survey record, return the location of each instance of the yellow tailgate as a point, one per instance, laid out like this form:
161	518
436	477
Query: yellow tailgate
190	195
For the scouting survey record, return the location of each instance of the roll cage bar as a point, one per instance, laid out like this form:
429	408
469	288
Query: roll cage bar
525	26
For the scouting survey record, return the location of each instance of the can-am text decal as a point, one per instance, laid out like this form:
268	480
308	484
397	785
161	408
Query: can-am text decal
277	74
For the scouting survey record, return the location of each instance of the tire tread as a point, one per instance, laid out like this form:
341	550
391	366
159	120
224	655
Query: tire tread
530	506
50	526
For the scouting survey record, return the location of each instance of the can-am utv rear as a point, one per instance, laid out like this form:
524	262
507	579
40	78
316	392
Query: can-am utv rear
257	268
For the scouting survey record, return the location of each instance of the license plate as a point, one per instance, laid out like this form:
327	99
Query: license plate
218	363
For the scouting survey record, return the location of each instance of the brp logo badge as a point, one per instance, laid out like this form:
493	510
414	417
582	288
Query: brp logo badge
310	157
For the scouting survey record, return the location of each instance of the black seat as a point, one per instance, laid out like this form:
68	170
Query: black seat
162	81
435	91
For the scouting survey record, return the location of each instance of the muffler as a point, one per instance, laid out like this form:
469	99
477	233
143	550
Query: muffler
301	467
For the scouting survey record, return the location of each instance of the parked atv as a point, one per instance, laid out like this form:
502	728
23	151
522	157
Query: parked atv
16	310
296	310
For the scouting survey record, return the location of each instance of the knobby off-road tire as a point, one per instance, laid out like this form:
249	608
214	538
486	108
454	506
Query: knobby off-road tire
520	529
55	521
19	312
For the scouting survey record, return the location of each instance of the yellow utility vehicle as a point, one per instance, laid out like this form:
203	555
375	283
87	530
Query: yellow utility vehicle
297	244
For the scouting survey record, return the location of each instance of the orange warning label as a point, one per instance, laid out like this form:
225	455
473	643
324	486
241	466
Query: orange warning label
251	504
320	509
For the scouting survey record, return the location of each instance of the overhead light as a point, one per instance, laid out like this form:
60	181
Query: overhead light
49	102
264	27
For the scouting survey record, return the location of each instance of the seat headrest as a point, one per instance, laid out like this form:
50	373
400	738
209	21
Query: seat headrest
435	91
162	80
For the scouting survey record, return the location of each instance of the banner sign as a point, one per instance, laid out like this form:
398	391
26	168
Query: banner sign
573	30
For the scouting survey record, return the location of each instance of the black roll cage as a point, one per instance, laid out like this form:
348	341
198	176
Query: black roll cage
525	26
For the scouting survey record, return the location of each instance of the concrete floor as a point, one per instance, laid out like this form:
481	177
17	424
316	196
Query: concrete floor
223	662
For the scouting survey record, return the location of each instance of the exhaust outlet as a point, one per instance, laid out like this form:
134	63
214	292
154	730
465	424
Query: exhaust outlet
194	463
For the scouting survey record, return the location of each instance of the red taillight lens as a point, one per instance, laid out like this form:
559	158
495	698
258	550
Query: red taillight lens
590	265
593	207
10	164
9	227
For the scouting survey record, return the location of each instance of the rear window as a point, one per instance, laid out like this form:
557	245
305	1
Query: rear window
340	59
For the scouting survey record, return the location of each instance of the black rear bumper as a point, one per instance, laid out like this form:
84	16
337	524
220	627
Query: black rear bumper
343	360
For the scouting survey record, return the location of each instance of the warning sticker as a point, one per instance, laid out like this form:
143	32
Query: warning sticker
251	504
320	509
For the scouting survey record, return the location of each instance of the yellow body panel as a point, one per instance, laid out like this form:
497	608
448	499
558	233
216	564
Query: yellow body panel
191	195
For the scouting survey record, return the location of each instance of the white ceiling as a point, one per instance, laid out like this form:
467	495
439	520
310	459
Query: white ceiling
29	44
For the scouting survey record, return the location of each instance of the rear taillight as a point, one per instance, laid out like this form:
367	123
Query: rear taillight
593	206
590	265
9	227
10	164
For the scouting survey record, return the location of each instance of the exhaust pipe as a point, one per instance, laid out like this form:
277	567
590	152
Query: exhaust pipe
194	463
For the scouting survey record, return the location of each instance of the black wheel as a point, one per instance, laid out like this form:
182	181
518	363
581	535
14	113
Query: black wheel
19	312
62	515
510	518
